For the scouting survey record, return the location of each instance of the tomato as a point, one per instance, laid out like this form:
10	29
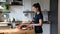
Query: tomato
19	27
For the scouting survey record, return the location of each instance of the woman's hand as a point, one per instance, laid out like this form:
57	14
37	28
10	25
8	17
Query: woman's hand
30	25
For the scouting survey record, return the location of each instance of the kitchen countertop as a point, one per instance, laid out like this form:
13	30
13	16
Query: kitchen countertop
44	22
15	31
9	30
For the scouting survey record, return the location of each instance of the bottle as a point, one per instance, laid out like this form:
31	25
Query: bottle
13	24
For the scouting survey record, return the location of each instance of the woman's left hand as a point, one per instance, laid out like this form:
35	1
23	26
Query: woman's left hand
30	25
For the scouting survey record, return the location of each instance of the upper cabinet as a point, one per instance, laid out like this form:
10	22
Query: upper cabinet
45	4
2	0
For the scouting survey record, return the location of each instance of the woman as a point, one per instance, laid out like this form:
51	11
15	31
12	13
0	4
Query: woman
38	19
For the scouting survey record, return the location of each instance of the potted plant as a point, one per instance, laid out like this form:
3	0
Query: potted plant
5	6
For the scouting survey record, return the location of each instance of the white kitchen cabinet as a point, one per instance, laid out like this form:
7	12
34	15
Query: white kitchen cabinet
46	28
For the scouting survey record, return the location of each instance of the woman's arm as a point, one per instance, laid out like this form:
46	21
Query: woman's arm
39	24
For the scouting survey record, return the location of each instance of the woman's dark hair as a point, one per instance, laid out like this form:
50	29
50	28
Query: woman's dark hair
37	5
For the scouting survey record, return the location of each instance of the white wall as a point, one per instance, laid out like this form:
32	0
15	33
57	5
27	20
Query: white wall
17	13
27	5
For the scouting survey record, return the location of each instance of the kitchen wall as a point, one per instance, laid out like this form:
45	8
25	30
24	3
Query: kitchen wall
17	12
45	15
